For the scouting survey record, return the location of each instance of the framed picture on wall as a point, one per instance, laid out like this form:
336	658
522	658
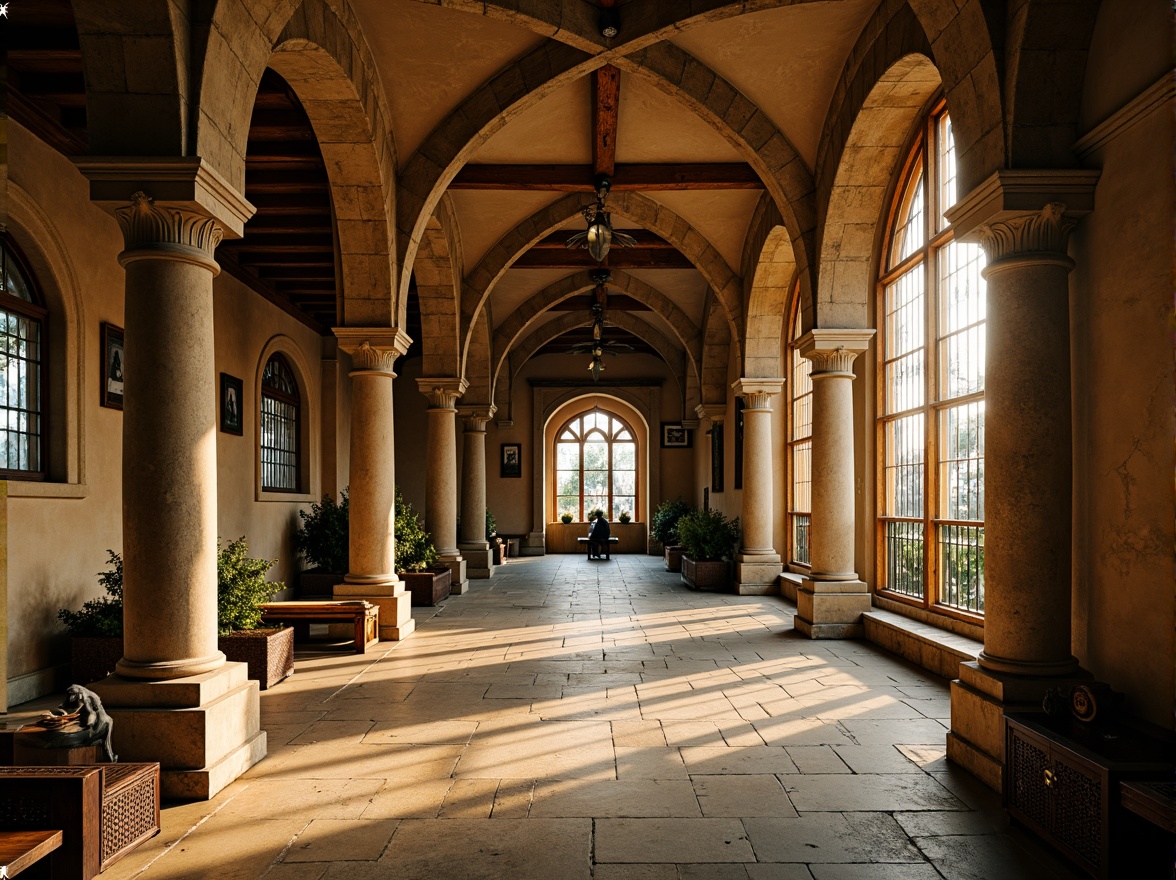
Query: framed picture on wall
113	355
231	400
674	435
512	460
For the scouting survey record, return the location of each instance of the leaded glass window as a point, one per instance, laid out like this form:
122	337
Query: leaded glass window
595	466
280	406
22	382
800	443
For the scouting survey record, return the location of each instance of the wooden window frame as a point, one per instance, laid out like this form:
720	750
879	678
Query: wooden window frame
792	441
555	470
36	311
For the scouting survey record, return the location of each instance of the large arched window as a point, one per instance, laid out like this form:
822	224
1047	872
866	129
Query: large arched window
800	448
280	405
22	346
595	466
931	403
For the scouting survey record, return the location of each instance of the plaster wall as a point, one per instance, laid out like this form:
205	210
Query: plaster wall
1121	313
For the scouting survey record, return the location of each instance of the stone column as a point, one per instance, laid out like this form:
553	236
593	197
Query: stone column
441	475
831	600
372	521
174	698
757	565
473	544
1023	223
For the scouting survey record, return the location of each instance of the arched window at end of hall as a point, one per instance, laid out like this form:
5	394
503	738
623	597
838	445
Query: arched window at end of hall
280	410
931	318
22	347
800	447
595	466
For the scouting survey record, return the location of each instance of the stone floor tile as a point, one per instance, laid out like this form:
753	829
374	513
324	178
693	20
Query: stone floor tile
876	759
712	872
831	838
650	762
816	759
513	798
341	840
638	733
779	872
309	798
635	872
955	822
876	872
918	732
622	798
491	849
689	841
692	733
418	763
869	793
408	800
801	732
739	796
976	857
469	799
295	871
555	749
755	760
437	733
333	731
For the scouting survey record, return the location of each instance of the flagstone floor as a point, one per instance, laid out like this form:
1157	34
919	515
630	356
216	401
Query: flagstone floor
571	719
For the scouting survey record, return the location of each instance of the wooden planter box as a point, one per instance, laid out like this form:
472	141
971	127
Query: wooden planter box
674	558
92	658
428	587
705	574
314	583
499	550
269	653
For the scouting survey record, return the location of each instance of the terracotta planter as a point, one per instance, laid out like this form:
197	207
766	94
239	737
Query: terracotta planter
674	557
705	574
269	653
92	658
428	587
313	582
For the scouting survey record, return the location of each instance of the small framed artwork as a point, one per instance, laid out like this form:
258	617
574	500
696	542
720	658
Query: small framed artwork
512	460
113	360
231	400
675	436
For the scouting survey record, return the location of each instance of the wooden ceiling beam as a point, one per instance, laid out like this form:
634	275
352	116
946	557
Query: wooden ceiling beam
618	258
633	178
617	302
606	105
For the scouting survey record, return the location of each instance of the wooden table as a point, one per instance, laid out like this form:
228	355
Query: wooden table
19	849
364	615
595	545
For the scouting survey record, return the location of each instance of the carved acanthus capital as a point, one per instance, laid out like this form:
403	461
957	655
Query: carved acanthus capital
834	351
443	392
1043	232
373	349
757	393
152	232
476	416
716	412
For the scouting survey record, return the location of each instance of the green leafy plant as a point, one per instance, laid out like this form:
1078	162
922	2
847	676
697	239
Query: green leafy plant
491	525
565	518
595	512
241	587
322	539
102	616
708	535
664	525
625	516
414	549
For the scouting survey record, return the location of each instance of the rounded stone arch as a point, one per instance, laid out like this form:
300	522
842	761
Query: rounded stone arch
478	366
49	260
716	355
631	205
308	435
768	272
511	330
438	285
854	227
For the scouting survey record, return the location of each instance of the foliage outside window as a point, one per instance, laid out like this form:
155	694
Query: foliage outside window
595	466
800	449
22	384
280	406
931	423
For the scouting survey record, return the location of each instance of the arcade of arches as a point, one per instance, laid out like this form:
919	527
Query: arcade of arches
899	299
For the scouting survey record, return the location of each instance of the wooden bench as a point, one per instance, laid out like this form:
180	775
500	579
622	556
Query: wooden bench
103	811
20	849
364	615
596	546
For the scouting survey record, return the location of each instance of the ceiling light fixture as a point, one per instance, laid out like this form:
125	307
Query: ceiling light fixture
598	347
610	23
600	235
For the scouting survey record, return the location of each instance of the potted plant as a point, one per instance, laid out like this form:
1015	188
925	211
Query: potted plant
322	541
708	540
416	558
624	517
663	528
565	518
492	537
97	629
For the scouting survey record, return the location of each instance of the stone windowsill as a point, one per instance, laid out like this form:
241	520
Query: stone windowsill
33	489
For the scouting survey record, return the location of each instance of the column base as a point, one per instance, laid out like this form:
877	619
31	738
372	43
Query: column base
831	609
458	583
757	574
394	602
479	562
979	701
204	730
535	544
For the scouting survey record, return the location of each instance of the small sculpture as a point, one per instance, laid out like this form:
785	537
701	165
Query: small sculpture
79	721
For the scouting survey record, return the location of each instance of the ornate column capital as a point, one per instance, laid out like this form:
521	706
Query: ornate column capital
833	351
154	232
476	416
757	393
443	392
373	349
716	412
1039	235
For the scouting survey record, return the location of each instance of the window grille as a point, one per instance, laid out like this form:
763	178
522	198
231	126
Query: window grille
595	466
22	384
280	406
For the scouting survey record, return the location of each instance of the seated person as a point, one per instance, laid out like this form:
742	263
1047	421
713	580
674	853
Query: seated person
598	537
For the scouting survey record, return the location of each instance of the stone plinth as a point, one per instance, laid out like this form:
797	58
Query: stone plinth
757	575
459	584
831	609
479	560
394	602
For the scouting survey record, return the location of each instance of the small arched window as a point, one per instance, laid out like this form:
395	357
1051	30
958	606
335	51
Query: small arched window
280	407
22	347
800	447
931	418
595	466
